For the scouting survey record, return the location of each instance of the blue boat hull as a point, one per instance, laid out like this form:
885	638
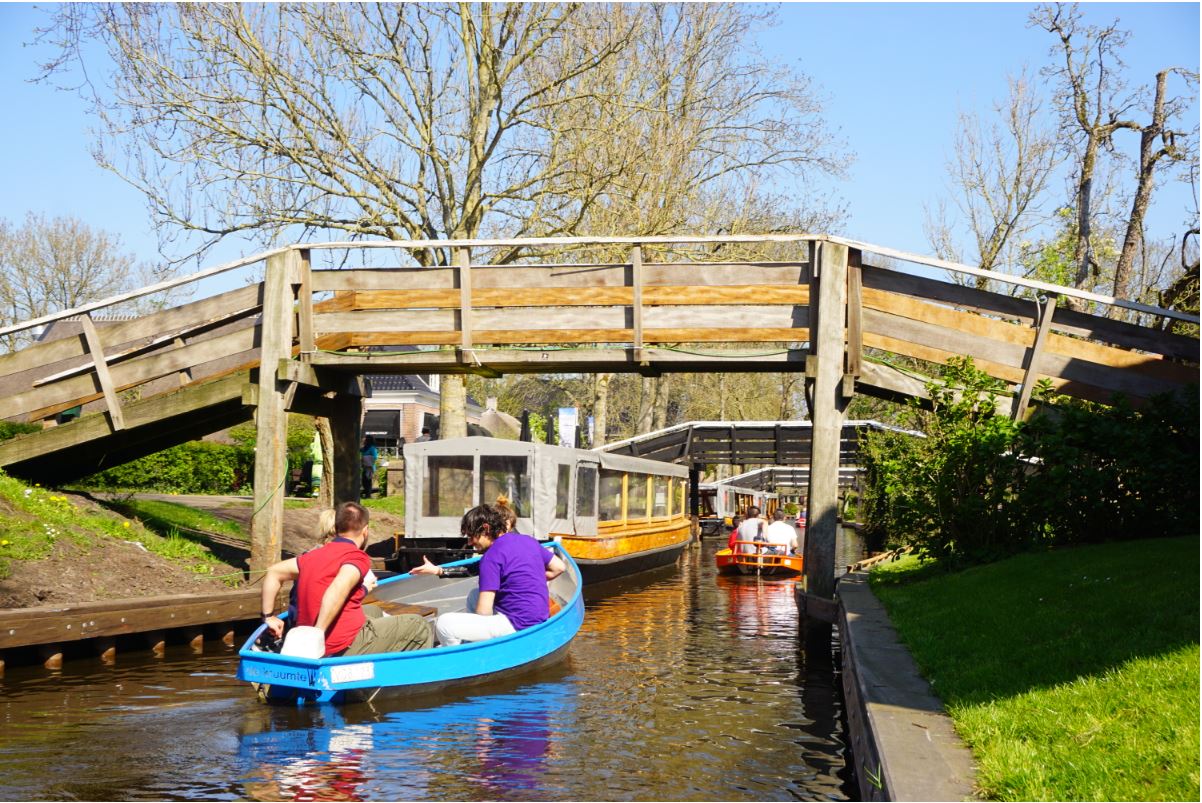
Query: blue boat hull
364	677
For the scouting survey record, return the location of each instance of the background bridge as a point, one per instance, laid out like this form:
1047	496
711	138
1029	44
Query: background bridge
302	337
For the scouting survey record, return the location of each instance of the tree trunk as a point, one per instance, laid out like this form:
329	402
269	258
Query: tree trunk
1148	156
452	407
600	408
642	424
326	496
663	392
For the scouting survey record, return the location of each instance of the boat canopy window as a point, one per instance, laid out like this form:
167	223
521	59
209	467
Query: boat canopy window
636	496
611	494
508	475
447	485
660	495
586	491
707	502
563	490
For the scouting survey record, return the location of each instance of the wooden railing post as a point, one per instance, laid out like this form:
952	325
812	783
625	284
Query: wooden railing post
636	305
304	308
271	419
463	264
827	339
1047	308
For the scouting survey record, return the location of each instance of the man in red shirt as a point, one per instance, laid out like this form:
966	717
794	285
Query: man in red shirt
330	591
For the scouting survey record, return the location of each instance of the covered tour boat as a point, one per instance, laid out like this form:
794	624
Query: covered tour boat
614	514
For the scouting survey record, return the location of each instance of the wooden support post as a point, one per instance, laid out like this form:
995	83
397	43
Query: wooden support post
52	656
106	648
96	350
636	305
157	641
463	273
304	307
196	638
228	637
271	420
346	415
1047	308
827	417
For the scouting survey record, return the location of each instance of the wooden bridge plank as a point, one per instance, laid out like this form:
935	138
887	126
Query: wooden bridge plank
1024	311
572	297
137	414
133	373
515	277
122	334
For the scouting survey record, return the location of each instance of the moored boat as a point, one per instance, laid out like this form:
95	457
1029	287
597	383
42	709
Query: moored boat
291	679
756	557
614	514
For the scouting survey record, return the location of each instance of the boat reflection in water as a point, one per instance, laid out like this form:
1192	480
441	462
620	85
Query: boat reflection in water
484	747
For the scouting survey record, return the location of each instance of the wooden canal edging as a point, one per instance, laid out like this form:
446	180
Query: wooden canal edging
50	629
902	741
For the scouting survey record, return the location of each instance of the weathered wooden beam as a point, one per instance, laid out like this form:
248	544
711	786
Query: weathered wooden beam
463	264
29	626
121	335
304	307
344	426
827	417
271	420
137	414
131	374
96	350
680	295
1047	309
509	277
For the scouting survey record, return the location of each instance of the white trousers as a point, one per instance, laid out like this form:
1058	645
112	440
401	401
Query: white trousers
456	627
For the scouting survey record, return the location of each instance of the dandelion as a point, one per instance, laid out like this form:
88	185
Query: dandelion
5	542
28	491
125	524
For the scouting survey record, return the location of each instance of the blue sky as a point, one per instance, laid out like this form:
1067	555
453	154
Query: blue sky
894	75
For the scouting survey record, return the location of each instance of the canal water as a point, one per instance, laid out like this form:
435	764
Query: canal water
682	685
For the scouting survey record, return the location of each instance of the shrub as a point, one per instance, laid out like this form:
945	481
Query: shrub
11	429
979	486
194	467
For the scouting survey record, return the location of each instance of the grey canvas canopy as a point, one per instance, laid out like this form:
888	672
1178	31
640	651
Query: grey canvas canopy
552	488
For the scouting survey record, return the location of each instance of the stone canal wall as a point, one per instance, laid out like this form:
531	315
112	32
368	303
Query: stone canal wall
902	741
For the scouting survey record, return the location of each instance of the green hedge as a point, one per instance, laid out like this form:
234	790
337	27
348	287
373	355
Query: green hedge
980	486
194	467
10	429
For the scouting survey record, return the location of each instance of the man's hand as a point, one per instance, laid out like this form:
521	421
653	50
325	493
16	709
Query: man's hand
275	626
426	568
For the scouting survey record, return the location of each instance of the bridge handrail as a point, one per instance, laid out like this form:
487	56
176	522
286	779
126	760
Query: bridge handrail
166	284
907	256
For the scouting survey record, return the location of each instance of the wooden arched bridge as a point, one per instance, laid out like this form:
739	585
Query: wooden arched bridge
302	337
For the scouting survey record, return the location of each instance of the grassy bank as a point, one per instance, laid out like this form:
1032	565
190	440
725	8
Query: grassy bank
1072	675
32	518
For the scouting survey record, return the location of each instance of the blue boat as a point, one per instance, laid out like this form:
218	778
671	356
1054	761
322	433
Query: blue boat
290	679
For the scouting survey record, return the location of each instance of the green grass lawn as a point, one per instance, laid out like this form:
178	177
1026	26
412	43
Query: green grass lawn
1073	674
37	517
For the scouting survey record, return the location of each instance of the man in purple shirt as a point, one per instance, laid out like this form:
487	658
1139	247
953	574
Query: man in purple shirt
514	573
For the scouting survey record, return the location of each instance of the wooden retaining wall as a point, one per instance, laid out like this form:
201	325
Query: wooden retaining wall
902	741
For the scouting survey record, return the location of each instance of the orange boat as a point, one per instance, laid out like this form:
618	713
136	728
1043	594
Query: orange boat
756	557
